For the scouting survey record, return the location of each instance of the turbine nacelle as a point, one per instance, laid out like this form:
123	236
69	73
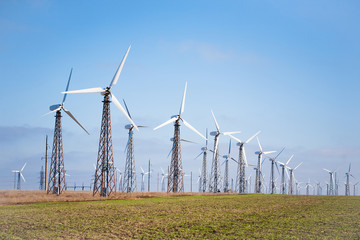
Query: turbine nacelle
174	116
214	133
54	107
258	152
239	144
203	148
129	126
225	156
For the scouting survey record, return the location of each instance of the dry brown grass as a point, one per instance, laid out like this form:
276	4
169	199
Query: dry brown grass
13	197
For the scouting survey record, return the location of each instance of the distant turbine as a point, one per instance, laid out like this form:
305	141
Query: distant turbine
291	170
283	170
240	175
143	173
272	173
104	182
163	177
130	170
17	174
258	182
331	188
347	185
215	175
203	175
226	175
176	176
57	169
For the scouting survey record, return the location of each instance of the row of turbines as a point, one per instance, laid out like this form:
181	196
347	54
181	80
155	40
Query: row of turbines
104	183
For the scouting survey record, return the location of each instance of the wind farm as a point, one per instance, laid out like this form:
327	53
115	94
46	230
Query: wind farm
263	122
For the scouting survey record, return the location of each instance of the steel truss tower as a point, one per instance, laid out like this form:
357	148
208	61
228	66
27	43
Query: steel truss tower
226	176
347	185
176	175
283	182
272	177
204	179
130	171
291	185
258	181
240	176
42	179
57	168
104	182
331	188
215	169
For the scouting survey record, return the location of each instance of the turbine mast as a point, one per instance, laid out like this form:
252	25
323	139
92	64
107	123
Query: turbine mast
104	182
176	175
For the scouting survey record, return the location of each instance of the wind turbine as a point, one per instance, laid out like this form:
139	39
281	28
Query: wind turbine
17	174
143	173
258	181
291	191
57	169
308	185
163	176
130	170
215	168
331	188
283	170
272	174
226	175
355	187
240	176
176	176
248	184
105	172
203	174
347	185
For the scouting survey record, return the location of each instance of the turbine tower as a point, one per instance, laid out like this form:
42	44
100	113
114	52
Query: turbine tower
176	175
130	170
215	175
203	175
17	180
331	182
272	173
143	173
347	185
240	174
291	180
226	175
283	170
57	169
258	181
104	182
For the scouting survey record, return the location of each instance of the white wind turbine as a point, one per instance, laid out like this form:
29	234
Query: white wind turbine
105	172
143	173
215	176
272	186
331	182
347	184
291	185
17	174
258	181
163	176
283	170
176	176
240	176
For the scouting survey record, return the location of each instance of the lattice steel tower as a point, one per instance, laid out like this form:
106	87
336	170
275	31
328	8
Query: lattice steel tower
203	174
130	170
291	179
176	175
258	178
240	184
57	183
104	181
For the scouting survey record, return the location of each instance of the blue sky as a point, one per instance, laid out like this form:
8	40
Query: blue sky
288	68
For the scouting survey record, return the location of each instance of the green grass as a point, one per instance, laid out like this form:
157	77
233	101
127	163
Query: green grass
190	217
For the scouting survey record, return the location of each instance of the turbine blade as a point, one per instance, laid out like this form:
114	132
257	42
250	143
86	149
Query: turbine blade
244	154
118	71
67	88
184	140
297	166
199	155
166	123
22	176
70	115
230	133
289	159
279	153
349	167
207	137
142	170
127	110
234	160
287	173
229	146
87	90
252	137
117	103
127	144
170	151
183	101
327	170
268	152
216	123
277	167
259	144
51	111
23	167
193	129
236	139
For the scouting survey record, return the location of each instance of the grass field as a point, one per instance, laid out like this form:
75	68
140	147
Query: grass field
187	217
